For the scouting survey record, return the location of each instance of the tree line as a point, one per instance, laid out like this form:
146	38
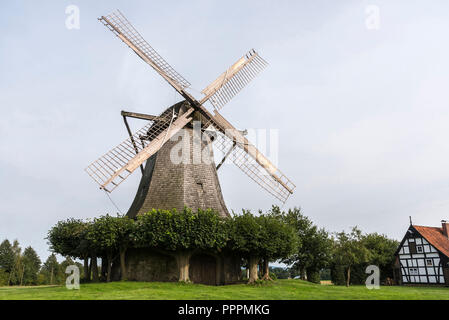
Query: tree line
284	236
341	257
25	268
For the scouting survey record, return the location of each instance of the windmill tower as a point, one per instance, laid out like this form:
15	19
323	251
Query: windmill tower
167	184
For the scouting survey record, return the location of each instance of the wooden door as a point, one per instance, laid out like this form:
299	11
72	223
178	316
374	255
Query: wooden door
203	269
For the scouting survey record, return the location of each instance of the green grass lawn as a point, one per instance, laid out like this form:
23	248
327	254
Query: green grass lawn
278	290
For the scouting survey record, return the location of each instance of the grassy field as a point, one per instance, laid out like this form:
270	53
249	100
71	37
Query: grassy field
278	290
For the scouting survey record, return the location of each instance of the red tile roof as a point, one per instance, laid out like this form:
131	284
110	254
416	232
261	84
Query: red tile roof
435	237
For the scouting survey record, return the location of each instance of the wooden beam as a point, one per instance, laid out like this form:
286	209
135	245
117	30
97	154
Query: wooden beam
226	155
141	116
250	149
147	59
132	139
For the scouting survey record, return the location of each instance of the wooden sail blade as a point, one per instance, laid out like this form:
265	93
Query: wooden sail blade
115	166
120	26
233	80
251	161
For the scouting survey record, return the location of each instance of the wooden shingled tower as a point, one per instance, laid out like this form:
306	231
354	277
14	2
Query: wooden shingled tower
166	184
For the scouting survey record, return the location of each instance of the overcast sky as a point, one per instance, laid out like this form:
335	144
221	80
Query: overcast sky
361	105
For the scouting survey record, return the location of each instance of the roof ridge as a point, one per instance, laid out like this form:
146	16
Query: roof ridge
416	225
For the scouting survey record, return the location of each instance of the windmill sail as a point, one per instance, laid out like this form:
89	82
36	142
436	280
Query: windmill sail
251	161
120	26
115	166
233	80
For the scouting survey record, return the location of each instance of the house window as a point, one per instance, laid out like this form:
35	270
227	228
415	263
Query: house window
429	262
412	247
413	270
419	249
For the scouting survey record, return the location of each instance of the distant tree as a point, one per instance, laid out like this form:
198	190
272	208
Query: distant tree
31	266
62	276
281	273
51	270
7	259
349	251
325	274
382	251
16	276
317	252
68	261
367	249
337	273
4	278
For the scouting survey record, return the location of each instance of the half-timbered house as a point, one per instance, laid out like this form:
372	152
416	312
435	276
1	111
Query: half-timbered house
423	256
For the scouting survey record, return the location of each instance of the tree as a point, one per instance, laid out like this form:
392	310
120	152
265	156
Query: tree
279	240
4	278
314	245
181	234
280	273
63	266
16	276
31	266
349	250
316	249
302	225
337	274
124	229
102	235
382	251
111	235
68	238
246	236
7	259
373	249
51	270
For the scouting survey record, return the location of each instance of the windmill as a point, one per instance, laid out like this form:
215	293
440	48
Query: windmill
152	143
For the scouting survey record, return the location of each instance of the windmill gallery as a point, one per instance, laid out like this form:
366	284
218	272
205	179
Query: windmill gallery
168	183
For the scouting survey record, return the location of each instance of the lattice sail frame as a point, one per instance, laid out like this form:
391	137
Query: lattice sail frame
280	189
233	80
121	27
105	167
247	157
